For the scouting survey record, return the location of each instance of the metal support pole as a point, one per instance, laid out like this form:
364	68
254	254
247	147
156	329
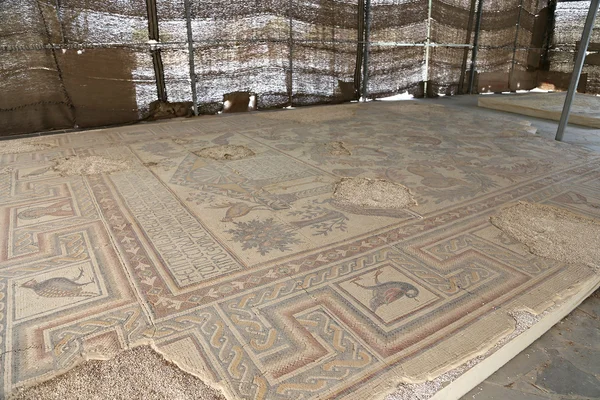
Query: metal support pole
475	45
360	49
366	48
155	51
290	74
585	41
190	40
427	45
514	56
463	67
545	62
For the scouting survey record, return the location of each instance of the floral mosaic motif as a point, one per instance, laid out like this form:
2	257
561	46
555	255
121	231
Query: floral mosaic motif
321	219
200	197
450	182
513	171
265	235
222	181
161	149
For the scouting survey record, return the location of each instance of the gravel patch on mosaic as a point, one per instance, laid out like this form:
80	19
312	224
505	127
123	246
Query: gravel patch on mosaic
134	374
89	165
372	193
552	232
22	146
225	152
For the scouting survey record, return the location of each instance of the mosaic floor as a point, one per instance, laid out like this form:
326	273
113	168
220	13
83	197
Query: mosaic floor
584	111
247	274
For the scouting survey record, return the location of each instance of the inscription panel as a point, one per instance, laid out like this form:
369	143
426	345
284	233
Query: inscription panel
189	251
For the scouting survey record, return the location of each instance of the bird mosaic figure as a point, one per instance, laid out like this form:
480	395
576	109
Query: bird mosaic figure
236	210
59	209
60	287
387	292
239	209
36	172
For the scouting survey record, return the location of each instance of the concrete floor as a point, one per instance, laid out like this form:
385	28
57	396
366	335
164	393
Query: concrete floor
563	364
250	275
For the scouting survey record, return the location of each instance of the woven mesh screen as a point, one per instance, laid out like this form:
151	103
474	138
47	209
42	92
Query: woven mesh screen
91	62
30	76
453	22
324	49
394	67
96	75
569	21
284	51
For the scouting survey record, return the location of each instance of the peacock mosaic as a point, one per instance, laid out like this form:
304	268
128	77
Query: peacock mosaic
247	272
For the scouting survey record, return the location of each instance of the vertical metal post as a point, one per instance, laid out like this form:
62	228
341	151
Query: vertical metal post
514	56
360	49
545	62
366	48
190	40
290	74
427	44
463	67
155	51
585	41
475	45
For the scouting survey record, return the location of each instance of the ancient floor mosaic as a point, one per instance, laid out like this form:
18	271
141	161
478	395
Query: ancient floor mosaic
584	111
247	274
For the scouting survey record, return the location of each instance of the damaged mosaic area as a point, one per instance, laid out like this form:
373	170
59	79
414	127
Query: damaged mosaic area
225	152
254	276
553	232
88	165
524	320
372	193
135	373
23	146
